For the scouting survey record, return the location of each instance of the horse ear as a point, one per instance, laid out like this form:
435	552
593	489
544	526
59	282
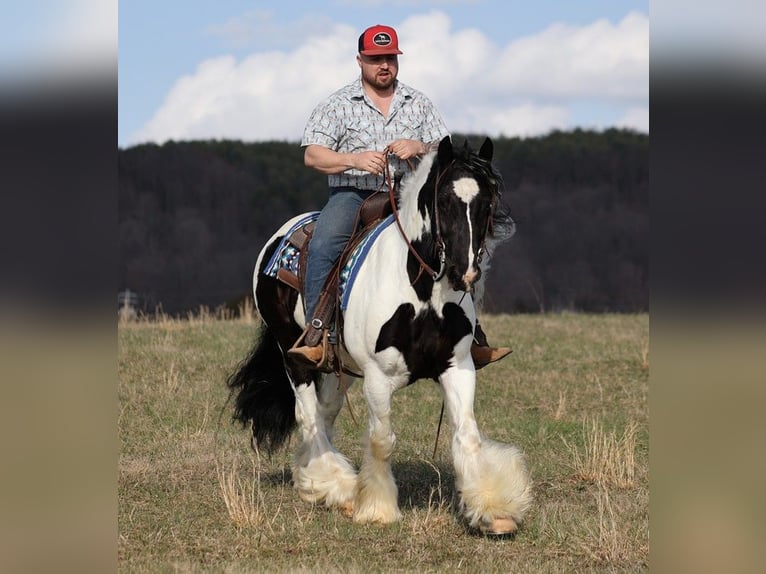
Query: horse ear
487	148
445	153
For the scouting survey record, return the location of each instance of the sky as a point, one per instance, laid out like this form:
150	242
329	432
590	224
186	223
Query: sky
255	70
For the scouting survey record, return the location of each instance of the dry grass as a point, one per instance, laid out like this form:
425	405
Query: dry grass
607	460
610	540
422	521
561	407
243	497
244	313
193	497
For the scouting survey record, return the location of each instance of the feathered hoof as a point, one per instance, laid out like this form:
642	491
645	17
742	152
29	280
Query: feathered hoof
347	509
500	527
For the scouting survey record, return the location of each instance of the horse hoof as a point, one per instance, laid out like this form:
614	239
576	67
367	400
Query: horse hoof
500	527
347	509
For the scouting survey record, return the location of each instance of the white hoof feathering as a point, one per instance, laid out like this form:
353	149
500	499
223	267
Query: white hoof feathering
327	478
376	494
495	488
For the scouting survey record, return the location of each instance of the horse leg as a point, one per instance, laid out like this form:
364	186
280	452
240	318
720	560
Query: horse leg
376	494
320	472
491	477
332	398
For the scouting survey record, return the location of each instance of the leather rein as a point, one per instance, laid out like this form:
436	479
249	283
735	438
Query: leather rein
435	275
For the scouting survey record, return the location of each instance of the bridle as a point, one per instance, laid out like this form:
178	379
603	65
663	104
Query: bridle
435	275
440	246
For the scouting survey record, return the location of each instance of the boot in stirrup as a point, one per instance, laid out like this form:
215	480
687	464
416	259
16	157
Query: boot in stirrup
319	355
481	353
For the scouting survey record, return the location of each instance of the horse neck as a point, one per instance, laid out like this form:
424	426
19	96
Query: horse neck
413	221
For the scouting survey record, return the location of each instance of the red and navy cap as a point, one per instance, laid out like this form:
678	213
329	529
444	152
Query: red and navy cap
379	40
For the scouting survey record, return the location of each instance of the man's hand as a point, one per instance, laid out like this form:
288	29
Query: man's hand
373	162
406	149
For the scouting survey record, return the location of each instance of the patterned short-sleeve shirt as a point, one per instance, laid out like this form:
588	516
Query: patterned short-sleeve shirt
349	122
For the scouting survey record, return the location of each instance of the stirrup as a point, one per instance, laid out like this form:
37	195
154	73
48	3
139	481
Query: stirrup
319	356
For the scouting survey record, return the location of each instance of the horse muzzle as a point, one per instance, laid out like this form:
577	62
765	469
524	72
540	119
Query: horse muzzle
471	277
465	282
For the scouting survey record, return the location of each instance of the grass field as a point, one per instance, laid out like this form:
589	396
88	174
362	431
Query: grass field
193	497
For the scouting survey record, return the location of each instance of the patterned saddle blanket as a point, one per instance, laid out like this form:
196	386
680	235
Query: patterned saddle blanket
287	255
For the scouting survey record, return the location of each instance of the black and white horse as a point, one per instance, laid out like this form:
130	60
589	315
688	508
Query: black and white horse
399	324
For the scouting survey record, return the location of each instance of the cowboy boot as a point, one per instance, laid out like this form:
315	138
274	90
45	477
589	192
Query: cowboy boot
313	347
316	351
481	353
310	355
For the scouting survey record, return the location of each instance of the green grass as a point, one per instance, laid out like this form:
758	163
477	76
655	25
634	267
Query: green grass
573	392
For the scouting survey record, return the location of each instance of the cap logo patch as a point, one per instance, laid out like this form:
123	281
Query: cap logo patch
381	39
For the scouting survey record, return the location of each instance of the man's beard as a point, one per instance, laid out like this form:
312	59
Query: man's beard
381	83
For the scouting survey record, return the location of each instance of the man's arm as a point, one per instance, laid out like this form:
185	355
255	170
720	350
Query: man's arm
328	161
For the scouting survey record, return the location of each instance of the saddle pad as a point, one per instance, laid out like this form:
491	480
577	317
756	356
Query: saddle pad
350	269
286	255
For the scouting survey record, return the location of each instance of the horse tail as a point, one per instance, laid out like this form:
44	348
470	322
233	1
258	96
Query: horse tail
264	395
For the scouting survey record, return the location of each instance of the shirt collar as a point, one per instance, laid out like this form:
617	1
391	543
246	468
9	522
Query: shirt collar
357	91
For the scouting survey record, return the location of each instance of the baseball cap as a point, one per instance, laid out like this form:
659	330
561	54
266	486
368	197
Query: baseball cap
379	40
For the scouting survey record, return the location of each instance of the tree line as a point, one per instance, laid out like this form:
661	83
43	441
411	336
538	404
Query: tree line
194	215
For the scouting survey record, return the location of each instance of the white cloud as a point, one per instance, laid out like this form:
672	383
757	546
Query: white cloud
526	87
268	95
601	60
522	120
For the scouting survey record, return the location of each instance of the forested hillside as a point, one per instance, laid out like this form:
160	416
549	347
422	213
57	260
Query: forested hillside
194	215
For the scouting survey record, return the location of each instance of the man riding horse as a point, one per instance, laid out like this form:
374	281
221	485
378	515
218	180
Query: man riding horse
372	125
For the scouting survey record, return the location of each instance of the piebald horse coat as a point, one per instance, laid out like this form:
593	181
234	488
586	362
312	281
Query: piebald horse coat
410	315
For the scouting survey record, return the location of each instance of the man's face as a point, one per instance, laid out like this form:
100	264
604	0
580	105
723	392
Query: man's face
379	71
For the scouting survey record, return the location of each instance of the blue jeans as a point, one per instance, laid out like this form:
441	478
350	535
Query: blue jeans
332	231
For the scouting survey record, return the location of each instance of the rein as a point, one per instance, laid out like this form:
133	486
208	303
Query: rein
435	275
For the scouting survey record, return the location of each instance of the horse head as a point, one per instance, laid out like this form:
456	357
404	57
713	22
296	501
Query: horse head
466	191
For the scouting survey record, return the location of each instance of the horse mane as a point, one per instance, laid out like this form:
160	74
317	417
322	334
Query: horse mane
503	226
409	190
